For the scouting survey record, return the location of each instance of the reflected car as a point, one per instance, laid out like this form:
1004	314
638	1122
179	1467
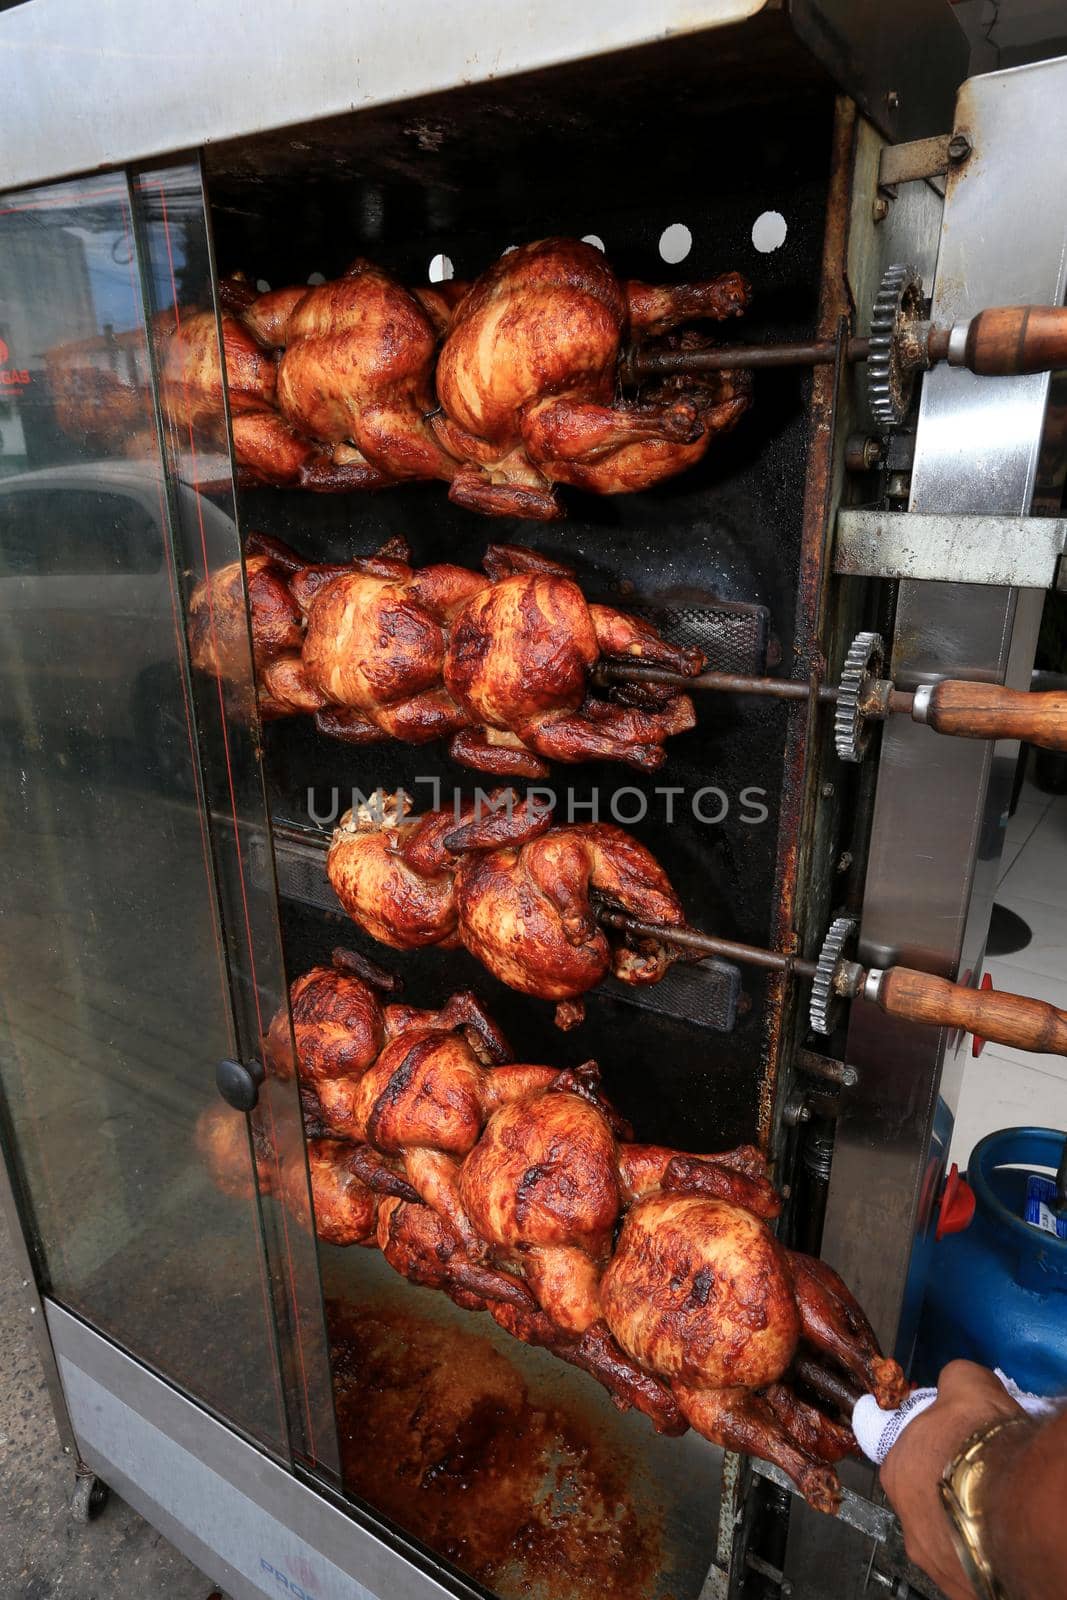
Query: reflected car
90	618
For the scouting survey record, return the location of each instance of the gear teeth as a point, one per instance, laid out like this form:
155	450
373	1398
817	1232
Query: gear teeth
823	1000
887	394
851	732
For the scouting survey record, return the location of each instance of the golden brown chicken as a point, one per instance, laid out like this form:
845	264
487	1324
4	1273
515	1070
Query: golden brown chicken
345	1209
268	448
505	1185
523	393
502	664
527	381
700	1291
517	892
549	1177
195	391
218	620
520	662
343	385
356	370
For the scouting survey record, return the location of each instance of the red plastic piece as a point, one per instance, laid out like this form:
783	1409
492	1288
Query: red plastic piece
978	1044
956	1211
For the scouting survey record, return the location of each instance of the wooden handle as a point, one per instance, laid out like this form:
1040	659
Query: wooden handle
1011	1019
1011	340
989	711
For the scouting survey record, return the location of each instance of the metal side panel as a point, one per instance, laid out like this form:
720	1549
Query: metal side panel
938	822
246	1522
941	803
90	86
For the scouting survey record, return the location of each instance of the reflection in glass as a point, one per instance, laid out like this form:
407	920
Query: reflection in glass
113	981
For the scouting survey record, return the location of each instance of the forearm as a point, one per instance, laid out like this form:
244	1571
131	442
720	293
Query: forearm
1024	1501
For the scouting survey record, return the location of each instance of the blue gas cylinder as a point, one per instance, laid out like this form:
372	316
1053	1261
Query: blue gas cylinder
997	1292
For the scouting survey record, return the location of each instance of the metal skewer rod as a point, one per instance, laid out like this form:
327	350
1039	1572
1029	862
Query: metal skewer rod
736	683
1002	342
724	358
829	1386
706	944
1011	1019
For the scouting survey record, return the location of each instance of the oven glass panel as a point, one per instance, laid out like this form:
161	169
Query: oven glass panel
186	354
114	986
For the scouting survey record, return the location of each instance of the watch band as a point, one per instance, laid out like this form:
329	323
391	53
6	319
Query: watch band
960	1490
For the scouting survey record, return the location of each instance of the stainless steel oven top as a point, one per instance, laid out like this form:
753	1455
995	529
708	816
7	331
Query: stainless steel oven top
88	87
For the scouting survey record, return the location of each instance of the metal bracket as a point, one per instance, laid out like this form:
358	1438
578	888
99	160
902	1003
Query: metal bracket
877	1522
1016	552
922	158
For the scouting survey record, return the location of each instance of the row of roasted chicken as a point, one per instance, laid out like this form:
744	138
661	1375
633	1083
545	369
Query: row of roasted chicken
501	663
502	388
518	1190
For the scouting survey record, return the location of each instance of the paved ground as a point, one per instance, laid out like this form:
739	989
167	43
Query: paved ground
44	1553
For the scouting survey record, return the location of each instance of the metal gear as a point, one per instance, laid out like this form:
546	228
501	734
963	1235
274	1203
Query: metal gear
822	1006
895	353
852	730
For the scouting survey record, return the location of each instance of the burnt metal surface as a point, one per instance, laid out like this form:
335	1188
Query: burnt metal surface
727	532
805	815
629	128
734	636
901	63
513	1464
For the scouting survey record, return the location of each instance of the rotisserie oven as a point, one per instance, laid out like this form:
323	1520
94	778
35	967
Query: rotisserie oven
520	559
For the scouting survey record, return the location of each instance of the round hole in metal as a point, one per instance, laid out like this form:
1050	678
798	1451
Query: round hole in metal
675	242
769	231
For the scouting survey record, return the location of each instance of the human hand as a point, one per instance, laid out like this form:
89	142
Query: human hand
968	1396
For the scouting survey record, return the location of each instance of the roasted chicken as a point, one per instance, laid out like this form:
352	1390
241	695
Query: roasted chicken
347	384
356	371
527	381
521	395
267	448
500	663
517	892
518	1190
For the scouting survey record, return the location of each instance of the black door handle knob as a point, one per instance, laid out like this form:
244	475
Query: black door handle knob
238	1083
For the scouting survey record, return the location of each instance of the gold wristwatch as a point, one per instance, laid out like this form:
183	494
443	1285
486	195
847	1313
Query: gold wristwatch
961	1488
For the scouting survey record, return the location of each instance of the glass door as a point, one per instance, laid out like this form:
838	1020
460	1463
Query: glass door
138	948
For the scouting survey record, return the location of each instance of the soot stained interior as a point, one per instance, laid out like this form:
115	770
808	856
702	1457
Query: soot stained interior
705	133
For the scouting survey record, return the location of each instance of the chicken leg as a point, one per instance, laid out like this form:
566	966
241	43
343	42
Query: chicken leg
740	1419
833	1322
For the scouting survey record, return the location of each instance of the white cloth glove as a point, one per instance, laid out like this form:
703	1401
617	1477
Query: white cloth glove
877	1431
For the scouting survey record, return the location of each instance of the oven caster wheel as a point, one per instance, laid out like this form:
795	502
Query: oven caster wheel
90	1497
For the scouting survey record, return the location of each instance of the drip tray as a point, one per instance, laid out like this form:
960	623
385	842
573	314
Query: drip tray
705	994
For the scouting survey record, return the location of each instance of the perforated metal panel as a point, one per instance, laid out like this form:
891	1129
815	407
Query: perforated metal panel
732	636
707	994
